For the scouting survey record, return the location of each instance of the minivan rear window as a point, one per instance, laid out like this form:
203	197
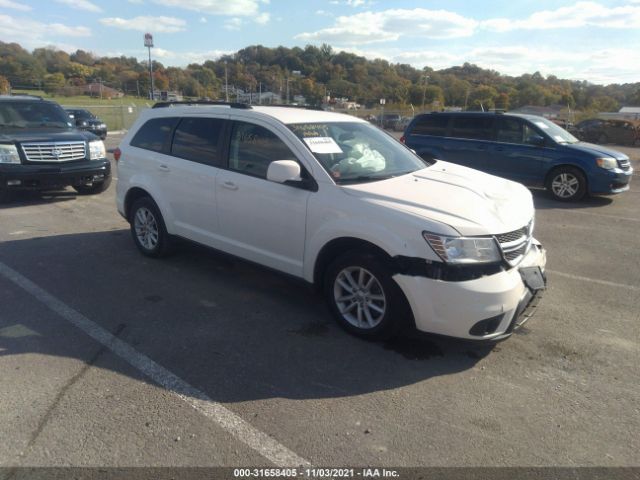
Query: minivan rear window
475	127
431	125
154	135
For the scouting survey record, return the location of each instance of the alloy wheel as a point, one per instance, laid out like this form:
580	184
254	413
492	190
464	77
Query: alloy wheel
146	228
359	297
565	185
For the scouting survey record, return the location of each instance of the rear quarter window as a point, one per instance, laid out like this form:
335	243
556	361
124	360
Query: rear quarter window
155	134
435	125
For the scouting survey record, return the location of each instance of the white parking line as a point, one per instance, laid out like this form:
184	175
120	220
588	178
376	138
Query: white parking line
595	280
259	441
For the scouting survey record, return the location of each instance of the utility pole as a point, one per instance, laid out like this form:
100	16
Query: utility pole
424	91
287	90
226	83
260	94
148	42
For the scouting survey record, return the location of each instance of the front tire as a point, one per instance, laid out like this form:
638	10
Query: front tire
567	184
363	297
94	188
148	229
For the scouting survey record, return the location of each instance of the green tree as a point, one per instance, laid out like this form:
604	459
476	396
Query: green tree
53	82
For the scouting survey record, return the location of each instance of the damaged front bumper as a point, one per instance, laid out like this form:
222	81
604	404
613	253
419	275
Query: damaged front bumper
490	307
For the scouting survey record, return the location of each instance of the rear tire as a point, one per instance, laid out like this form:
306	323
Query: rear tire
363	297
4	195
148	229
95	188
567	184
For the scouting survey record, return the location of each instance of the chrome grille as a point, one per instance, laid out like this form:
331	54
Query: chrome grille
515	244
624	163
54	151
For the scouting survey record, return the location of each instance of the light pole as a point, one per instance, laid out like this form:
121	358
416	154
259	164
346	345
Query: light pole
287	90
226	83
148	42
424	91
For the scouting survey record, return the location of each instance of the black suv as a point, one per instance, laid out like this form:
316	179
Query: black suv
85	120
40	149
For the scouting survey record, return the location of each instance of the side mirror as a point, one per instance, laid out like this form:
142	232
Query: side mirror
536	140
282	171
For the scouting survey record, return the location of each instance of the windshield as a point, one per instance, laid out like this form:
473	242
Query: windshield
556	132
81	114
354	152
32	115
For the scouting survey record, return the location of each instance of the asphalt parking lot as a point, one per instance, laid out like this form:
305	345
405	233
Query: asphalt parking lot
112	359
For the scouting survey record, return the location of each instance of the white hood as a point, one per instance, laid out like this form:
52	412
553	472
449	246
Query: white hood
471	202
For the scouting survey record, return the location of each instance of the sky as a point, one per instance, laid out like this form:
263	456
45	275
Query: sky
597	41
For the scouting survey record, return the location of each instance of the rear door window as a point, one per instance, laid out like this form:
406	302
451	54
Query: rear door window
514	130
477	127
198	139
435	125
155	135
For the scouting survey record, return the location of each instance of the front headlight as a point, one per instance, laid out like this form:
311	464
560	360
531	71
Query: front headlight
9	154
102	125
463	250
607	162
97	150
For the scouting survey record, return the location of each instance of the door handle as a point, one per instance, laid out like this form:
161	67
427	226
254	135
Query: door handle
230	185
164	168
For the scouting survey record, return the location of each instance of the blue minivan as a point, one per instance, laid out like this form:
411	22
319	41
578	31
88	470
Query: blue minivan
524	148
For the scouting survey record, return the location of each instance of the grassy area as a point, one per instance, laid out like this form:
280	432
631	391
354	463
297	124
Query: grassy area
86	100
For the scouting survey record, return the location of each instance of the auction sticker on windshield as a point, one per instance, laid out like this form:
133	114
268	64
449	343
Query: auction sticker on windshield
322	145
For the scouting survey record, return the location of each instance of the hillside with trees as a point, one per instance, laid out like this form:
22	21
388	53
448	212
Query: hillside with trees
310	71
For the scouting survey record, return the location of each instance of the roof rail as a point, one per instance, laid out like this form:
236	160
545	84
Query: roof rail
284	105
202	102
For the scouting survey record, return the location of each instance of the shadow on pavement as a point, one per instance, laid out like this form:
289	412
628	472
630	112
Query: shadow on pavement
236	331
543	201
21	198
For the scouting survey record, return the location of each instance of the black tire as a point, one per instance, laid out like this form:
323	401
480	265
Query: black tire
95	188
396	311
145	210
567	184
5	195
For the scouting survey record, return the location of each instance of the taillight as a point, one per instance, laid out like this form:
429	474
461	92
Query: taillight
402	139
116	154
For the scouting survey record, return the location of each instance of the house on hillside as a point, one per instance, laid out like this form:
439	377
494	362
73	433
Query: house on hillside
630	113
100	90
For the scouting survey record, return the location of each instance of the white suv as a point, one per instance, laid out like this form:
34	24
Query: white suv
335	201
